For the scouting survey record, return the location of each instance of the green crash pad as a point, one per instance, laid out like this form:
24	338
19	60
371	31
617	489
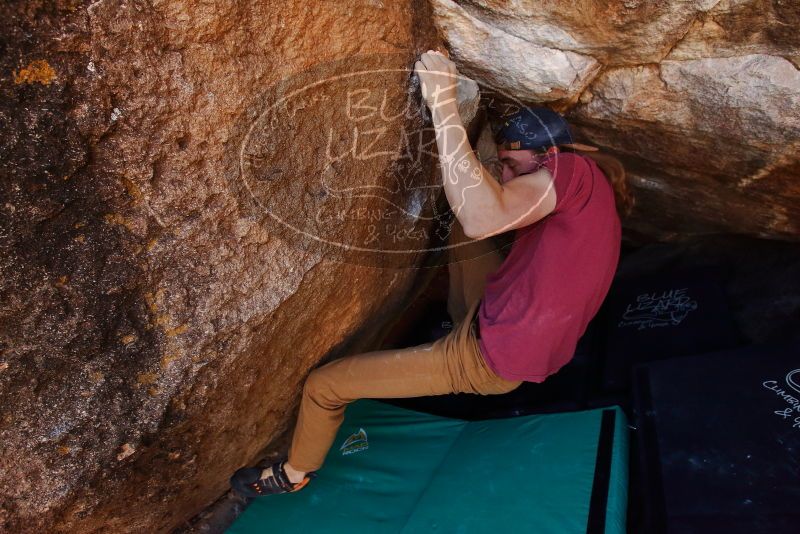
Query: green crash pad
401	471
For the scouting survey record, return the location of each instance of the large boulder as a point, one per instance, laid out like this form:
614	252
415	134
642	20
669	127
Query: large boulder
508	63
736	27
711	144
188	191
613	33
698	99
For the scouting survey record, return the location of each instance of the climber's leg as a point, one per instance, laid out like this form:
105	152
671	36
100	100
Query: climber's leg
450	364
469	262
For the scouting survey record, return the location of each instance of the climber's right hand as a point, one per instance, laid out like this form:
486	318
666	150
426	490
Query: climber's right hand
439	80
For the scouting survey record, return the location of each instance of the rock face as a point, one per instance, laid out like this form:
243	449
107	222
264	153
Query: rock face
614	33
698	99
711	144
509	63
182	187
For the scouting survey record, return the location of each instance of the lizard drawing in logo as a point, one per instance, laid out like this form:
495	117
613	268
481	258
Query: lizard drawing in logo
356	442
448	165
652	310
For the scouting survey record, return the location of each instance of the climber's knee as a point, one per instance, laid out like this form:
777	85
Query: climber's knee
320	387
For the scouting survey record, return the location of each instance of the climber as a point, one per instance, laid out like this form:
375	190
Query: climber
516	318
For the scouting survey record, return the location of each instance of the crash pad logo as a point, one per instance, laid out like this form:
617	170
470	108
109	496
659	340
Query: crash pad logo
653	310
355	443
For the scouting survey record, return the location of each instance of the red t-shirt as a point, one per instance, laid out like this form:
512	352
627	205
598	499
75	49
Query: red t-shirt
537	305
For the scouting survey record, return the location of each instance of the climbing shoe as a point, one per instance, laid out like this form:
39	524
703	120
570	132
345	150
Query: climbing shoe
247	481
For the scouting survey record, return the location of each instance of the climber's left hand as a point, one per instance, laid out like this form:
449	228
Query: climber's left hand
439	79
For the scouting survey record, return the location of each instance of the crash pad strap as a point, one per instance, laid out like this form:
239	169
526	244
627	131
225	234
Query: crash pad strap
602	475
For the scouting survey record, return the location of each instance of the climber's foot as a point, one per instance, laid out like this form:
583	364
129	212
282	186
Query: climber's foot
295	476
255	481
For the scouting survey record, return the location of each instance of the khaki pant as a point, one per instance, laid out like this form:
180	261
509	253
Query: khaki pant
451	364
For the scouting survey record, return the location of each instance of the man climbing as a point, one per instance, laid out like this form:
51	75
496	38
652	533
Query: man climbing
516	319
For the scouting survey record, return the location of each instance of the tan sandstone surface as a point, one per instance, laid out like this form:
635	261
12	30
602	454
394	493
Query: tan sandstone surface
200	202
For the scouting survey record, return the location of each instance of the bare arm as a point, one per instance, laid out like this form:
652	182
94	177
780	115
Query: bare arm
468	186
482	205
